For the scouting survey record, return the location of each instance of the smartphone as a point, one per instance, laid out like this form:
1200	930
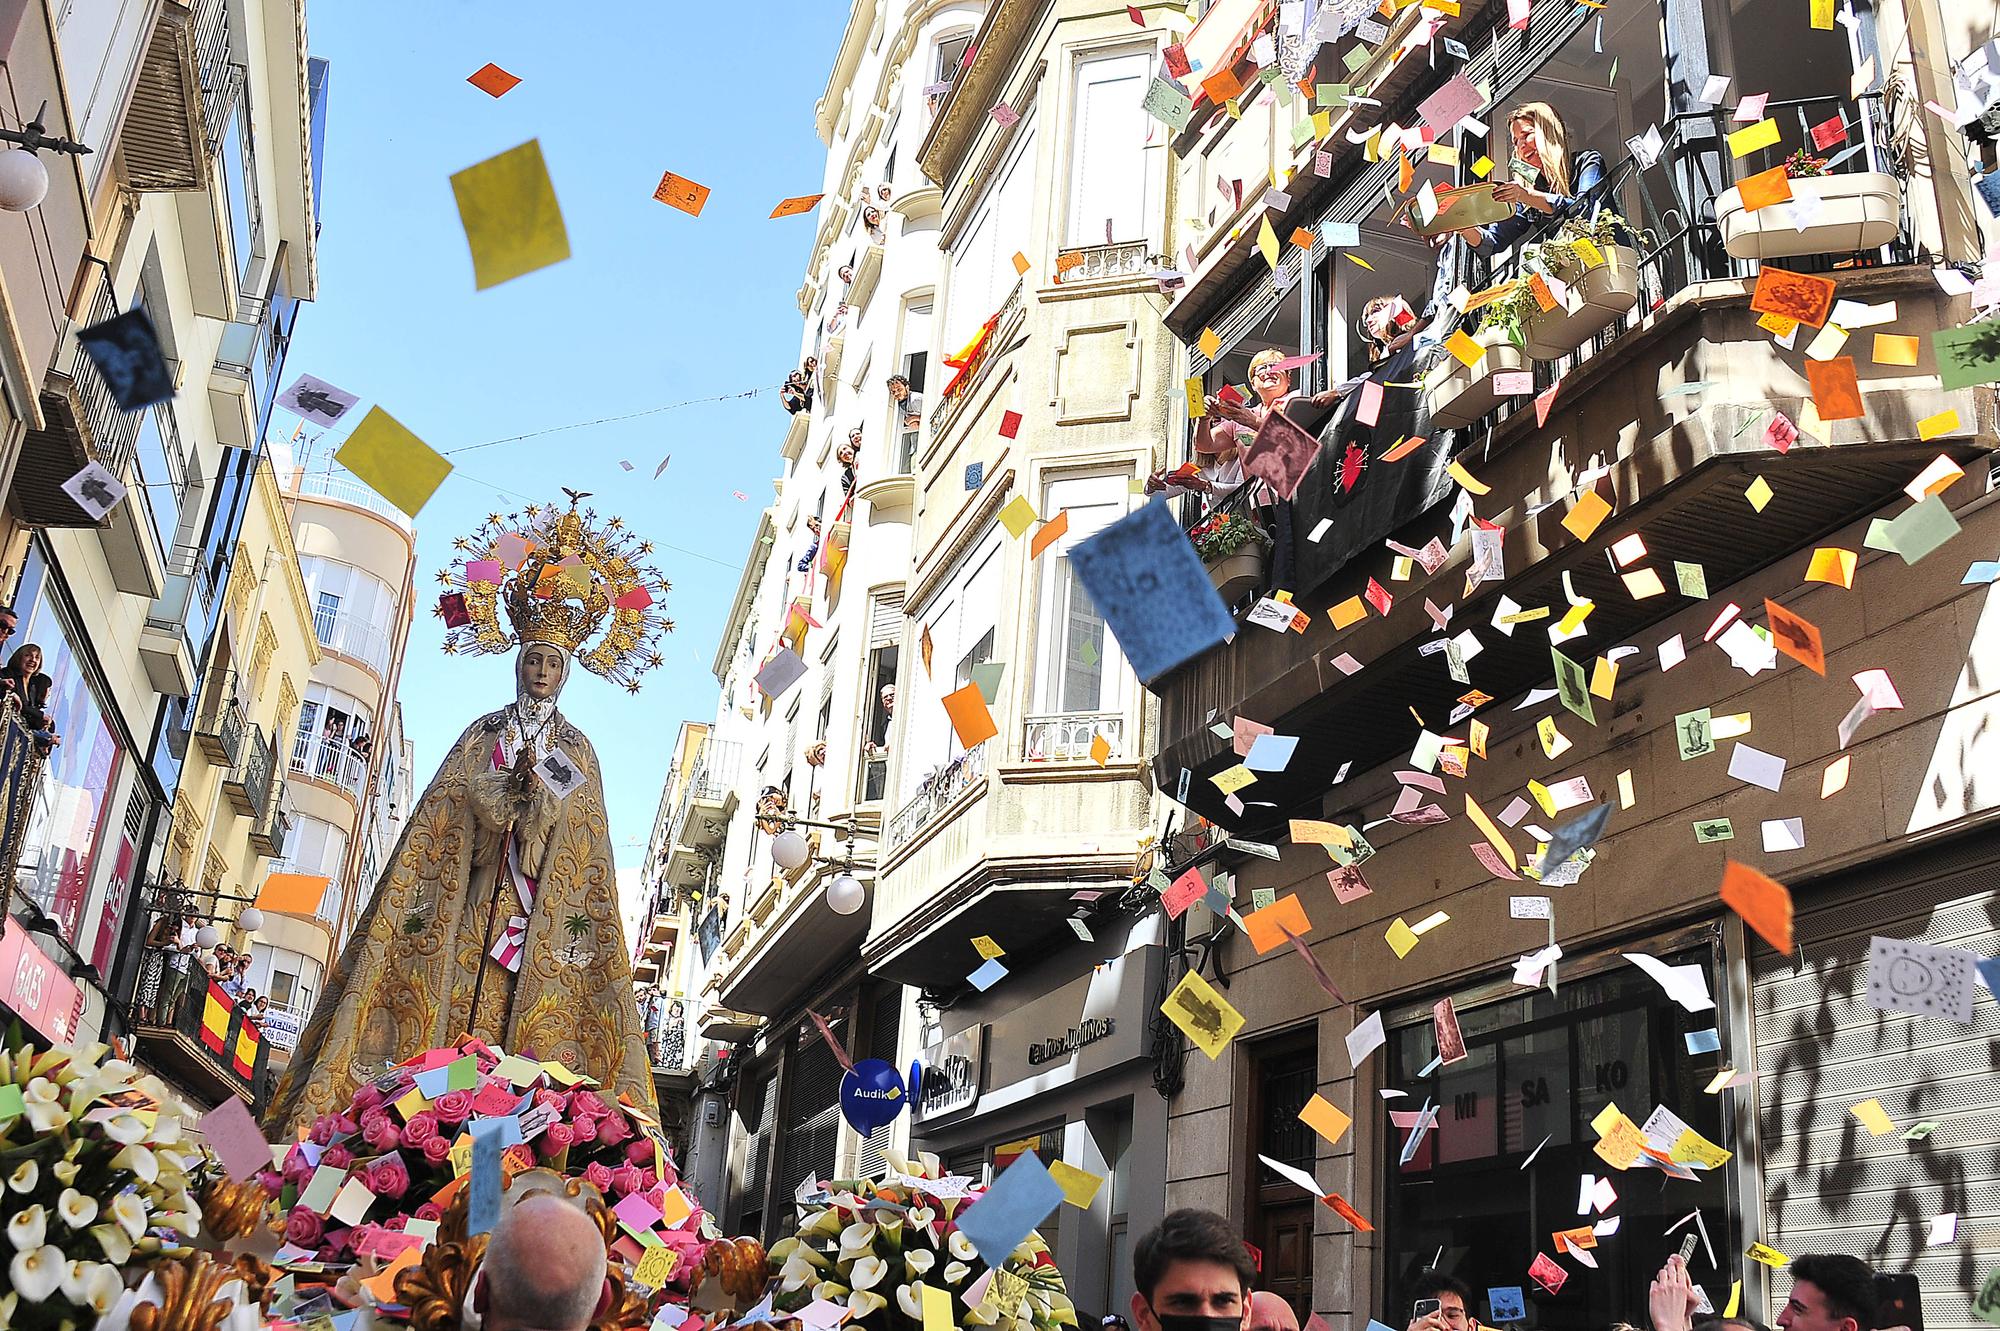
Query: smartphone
1897	1301
1425	1307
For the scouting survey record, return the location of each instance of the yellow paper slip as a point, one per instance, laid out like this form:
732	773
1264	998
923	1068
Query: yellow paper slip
1583	519
393	462
1079	1186
1873	1117
1752	137
513	224
1465	478
1400	937
1202	1014
1491	830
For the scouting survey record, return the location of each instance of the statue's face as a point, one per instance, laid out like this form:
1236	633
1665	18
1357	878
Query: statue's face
541	670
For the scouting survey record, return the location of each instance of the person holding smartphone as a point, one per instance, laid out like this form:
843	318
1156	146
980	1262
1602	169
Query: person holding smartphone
1441	1302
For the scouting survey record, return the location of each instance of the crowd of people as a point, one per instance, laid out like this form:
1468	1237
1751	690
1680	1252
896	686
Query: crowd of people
173	954
23	682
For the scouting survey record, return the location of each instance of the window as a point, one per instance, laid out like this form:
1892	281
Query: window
880	703
161	474
1114	153
1078	665
914	362
334	739
950	55
961	623
352	610
982	258
1539	1068
326	615
239	174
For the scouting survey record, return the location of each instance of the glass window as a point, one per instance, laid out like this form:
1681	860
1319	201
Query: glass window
1079	668
59	850
1539	1068
950	55
881	705
982	262
161	475
961	627
1112	159
236	161
326	615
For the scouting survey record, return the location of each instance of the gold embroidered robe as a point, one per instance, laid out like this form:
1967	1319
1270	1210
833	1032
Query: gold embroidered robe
404	983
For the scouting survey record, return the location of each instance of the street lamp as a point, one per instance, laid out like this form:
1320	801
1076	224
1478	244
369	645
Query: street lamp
790	849
845	895
24	181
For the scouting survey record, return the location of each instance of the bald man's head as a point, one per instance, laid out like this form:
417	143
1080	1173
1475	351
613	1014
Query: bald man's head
543	1270
1268	1312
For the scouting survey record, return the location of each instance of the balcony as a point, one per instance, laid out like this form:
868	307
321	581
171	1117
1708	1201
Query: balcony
1069	738
937	793
867	273
1006	329
163	643
82	424
707	798
354	636
1674	392
268	833
1104	263
346	489
207	1044
332	761
247	786
788	935
219	725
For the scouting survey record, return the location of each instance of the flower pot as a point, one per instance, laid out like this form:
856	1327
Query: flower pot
1240	572
1859	210
1600	294
1463	395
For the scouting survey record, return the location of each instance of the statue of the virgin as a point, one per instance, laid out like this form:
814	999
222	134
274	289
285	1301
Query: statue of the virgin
497	916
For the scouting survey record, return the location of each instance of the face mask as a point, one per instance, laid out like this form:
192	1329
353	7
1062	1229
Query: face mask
1194	1322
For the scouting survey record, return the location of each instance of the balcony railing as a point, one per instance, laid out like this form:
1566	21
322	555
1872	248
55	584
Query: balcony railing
351	635
249	786
1067	738
183	579
1005	324
269	832
1095	263
936	792
326	758
226	1054
713	777
218	726
113	432
338	485
221	78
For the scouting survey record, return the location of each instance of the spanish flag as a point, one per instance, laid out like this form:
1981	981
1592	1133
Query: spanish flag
248	1037
215	1018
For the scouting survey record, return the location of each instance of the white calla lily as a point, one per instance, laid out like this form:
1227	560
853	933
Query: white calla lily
102	1289
857	1238
961	1246
141	1161
125	1128
25	1176
910	1299
129	1214
868	1272
46	1115
864	1302
65	1171
796	1273
41	1091
955	1272
919	1261
831	1290
116	1246
76	1210
38	1272
28	1228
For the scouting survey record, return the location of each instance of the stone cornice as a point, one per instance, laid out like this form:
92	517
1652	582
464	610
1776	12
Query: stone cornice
963	112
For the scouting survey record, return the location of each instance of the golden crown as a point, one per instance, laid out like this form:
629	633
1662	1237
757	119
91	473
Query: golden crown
564	580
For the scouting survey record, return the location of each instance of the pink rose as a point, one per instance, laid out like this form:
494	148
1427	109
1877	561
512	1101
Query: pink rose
613	1130
557	1138
396	1224
436	1150
430	1211
549	1095
380	1131
389	1177
322	1130
368	1097
304	1227
628	1179
453	1106
584	1127
590	1103
420	1129
297	1170
271	1181
597	1176
337	1156
640	1152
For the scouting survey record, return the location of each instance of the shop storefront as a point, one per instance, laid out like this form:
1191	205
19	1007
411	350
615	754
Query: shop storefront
1057	1060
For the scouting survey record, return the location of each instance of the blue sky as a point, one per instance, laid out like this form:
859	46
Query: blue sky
653	307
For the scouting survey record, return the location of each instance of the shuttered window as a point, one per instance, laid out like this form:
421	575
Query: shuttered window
1828	1185
813	1131
885	619
884	1029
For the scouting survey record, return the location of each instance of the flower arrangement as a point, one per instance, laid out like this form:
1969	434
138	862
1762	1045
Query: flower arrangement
1220	535
878	1246
1802	164
407	1139
94	1168
1560	255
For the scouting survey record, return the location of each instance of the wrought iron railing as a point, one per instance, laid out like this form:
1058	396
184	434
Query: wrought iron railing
1071	737
256	770
113	431
1004	324
1095	263
219	724
936	792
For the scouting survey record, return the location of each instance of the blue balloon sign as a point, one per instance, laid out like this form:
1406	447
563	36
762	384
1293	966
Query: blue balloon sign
872	1095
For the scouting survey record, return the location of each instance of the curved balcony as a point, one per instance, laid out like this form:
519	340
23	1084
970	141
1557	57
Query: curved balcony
346	489
354	636
332	761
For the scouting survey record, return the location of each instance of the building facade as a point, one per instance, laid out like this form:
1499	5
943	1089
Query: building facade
196	205
1434	758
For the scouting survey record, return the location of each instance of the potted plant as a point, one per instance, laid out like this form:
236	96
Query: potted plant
1458	394
1854	210
1235	550
1599	277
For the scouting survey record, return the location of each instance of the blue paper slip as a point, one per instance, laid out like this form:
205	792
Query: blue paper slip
1271	753
1704	1042
483	1207
508	1129
988	975
1507	1304
1020	1199
1144	577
